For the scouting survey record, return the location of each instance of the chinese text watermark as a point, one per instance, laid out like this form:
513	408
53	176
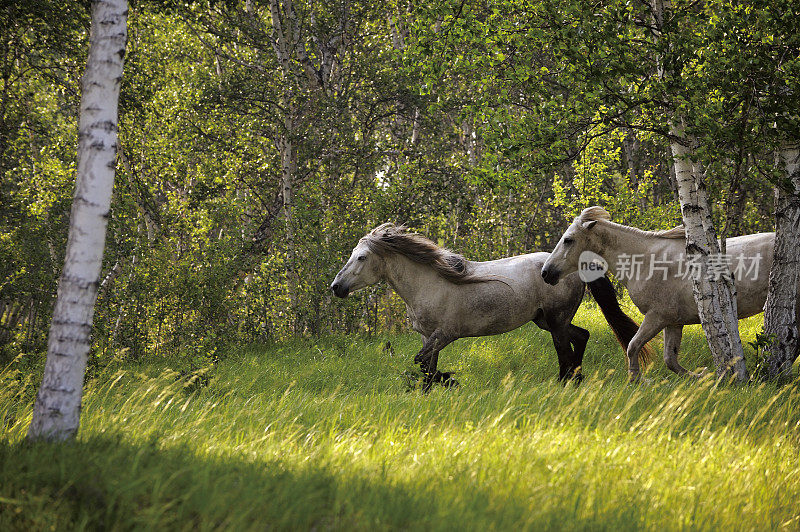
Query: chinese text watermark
715	266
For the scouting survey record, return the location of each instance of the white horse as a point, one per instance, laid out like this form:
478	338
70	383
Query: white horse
654	268
448	297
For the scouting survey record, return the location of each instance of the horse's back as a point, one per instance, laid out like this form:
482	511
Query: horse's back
749	258
751	245
537	256
514	295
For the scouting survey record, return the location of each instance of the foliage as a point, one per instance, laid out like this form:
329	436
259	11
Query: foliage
486	126
39	69
761	342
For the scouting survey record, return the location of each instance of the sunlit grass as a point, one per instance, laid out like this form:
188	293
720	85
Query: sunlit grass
323	434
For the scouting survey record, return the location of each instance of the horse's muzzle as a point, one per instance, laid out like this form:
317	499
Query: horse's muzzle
339	290
550	276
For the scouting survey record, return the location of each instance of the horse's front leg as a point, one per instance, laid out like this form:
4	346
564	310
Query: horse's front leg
428	357
434	376
432	345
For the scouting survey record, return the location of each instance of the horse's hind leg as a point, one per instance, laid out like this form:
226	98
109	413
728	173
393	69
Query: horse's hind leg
566	356
650	327
429	368
579	337
672	344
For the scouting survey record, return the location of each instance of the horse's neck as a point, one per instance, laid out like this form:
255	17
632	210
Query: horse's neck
412	281
618	246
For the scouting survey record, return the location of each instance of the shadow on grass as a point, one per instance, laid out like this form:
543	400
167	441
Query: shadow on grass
104	483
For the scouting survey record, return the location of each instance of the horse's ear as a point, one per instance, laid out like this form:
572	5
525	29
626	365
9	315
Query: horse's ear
589	224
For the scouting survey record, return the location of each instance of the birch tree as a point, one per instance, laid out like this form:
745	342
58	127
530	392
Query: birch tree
715	295
289	39
769	67
714	292
750	68
780	316
56	412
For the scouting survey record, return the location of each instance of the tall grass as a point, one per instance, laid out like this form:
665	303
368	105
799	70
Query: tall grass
319	435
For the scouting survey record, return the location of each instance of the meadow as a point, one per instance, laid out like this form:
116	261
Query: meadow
325	434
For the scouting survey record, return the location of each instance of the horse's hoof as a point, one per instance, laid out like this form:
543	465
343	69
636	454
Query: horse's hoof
446	379
450	382
575	377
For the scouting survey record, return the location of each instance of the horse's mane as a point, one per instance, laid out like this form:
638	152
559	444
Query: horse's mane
598	213
390	238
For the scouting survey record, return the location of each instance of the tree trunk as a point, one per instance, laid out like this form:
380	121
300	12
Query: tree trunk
288	171
56	413
470	140
780	310
714	291
415	127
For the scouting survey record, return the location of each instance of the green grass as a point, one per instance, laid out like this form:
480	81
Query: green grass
323	434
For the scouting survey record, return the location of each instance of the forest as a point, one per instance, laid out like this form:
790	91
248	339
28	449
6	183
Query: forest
258	141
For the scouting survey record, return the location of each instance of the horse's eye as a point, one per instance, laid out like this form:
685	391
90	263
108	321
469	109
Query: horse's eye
362	258
568	241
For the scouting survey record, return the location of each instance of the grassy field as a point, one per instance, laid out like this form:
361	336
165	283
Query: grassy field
324	435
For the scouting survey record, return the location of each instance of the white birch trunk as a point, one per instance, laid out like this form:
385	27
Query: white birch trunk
288	171
415	128
285	41
780	313
290	49
470	141
715	296
56	413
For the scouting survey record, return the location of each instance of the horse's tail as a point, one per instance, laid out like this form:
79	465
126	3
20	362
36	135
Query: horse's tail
623	326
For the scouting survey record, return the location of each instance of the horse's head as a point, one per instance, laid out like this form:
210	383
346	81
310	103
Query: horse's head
363	268
579	237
